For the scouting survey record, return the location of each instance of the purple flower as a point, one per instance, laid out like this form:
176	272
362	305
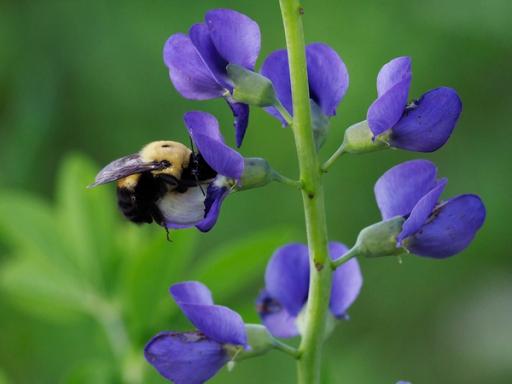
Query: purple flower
327	74
287	282
193	208
432	228
197	61
425	124
194	357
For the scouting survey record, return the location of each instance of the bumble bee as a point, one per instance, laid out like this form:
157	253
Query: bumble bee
148	181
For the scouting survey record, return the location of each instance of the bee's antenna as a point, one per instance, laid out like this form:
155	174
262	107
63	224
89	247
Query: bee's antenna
191	144
196	165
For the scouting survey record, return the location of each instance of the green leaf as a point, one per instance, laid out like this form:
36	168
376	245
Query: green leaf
42	288
95	371
88	217
29	225
3	378
236	265
151	266
251	87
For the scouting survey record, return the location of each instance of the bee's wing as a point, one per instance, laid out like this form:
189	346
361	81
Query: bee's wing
123	167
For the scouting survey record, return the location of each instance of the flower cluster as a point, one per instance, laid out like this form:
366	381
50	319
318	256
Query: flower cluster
216	59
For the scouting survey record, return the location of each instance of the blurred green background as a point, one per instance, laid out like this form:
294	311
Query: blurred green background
82	82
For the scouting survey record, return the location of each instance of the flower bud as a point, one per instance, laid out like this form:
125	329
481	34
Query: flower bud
359	139
257	173
251	87
380	239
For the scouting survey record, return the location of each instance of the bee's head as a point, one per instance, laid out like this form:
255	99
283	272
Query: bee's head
172	152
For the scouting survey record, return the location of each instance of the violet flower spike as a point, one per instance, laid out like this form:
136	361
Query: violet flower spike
197	61
432	228
327	75
195	357
423	125
193	208
287	282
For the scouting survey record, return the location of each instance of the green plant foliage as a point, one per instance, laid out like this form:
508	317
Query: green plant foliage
76	259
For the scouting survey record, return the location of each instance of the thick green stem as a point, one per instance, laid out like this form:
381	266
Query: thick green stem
312	195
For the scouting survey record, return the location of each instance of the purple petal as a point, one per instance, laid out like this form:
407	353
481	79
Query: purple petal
241	115
287	277
428	124
204	130
185	358
188	72
275	318
392	73
451	228
385	112
399	189
202	123
214	198
347	281
328	77
393	83
236	36
217	322
200	36
421	211
275	67
191	292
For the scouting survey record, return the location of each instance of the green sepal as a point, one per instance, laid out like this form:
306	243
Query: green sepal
257	173
380	239
259	339
251	87
359	139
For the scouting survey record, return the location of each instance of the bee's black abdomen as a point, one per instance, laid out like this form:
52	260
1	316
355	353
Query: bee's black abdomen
139	204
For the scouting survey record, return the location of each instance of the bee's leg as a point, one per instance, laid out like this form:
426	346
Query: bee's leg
168	234
202	190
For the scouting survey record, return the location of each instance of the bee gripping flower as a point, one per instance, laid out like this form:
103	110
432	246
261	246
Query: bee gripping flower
286	288
193	208
423	125
197	62
431	228
194	357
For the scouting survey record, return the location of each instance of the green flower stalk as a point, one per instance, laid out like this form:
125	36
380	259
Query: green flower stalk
310	349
